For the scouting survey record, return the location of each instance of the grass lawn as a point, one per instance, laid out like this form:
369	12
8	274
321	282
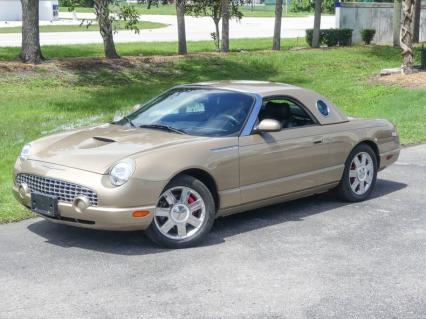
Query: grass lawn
62	94
256	11
119	25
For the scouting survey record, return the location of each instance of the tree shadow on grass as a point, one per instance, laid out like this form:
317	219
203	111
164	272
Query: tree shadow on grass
133	243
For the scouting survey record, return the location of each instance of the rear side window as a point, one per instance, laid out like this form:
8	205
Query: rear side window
323	108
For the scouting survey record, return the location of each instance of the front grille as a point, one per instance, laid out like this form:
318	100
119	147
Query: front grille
63	191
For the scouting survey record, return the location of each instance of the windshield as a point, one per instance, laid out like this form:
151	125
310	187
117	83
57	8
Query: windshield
202	112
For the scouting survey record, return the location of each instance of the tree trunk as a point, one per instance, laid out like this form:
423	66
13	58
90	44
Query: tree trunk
416	20
396	22
407	37
225	25
276	42
105	28
30	50
180	13
317	24
217	41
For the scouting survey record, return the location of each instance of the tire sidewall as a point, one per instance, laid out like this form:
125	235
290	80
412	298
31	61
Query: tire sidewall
188	181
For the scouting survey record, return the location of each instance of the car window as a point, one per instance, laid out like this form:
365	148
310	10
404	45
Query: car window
196	111
286	111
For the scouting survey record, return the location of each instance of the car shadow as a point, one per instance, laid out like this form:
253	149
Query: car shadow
134	243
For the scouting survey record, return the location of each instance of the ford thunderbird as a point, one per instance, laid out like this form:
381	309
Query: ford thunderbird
201	151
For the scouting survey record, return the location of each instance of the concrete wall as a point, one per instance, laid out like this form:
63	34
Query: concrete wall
11	10
378	16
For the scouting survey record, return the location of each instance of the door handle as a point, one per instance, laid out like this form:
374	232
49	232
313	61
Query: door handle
318	140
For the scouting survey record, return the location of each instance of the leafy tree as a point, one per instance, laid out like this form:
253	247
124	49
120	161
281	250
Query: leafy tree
108	11
276	42
317	24
213	9
30	50
180	14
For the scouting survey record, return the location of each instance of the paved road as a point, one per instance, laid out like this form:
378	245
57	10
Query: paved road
311	258
196	29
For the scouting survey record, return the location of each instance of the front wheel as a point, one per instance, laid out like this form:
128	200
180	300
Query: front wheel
184	214
359	176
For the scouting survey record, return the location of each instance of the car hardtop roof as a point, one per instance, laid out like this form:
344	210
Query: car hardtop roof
263	88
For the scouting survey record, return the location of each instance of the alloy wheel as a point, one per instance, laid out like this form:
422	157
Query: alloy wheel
361	173
180	213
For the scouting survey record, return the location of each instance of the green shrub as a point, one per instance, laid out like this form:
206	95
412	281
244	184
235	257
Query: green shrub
77	3
367	35
328	6
301	6
331	37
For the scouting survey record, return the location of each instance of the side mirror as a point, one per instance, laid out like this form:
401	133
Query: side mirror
268	125
136	107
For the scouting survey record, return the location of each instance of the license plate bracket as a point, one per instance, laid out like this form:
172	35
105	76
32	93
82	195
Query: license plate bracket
44	204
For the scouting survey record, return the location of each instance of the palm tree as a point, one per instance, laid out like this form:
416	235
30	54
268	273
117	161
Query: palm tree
396	22
416	20
317	24
30	50
276	42
180	13
407	37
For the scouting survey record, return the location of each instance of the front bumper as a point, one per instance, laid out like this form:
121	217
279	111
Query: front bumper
115	207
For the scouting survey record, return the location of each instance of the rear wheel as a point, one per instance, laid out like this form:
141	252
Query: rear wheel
359	176
184	213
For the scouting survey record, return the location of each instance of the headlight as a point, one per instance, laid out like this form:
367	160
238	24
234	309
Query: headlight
25	152
121	172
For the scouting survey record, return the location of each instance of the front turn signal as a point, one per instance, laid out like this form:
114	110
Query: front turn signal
141	213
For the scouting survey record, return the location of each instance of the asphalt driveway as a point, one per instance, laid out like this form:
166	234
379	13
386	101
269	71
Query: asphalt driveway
311	258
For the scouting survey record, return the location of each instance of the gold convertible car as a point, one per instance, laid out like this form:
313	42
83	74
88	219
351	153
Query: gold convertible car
200	151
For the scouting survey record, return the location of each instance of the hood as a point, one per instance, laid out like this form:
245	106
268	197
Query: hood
95	149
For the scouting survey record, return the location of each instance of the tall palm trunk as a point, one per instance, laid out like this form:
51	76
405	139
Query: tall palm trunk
180	13
317	24
396	22
30	50
407	37
225	25
416	20
105	28
276	42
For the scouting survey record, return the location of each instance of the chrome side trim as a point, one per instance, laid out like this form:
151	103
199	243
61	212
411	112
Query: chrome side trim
248	127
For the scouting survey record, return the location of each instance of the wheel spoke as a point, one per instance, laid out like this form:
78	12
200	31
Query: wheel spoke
355	184
184	196
181	230
357	161
194	221
165	228
364	159
352	173
197	205
369	178
162	212
362	187
170	198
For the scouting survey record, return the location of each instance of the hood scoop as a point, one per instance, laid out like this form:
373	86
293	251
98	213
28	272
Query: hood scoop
95	141
104	139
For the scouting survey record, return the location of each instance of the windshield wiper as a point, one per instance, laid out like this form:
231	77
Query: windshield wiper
163	127
129	121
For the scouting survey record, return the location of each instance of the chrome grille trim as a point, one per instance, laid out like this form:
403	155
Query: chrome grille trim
64	191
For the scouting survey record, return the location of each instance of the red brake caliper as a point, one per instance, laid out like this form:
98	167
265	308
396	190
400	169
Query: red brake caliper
191	199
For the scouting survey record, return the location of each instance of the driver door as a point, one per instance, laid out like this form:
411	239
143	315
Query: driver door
278	163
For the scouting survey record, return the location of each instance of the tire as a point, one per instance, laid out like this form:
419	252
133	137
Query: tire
364	175
184	214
